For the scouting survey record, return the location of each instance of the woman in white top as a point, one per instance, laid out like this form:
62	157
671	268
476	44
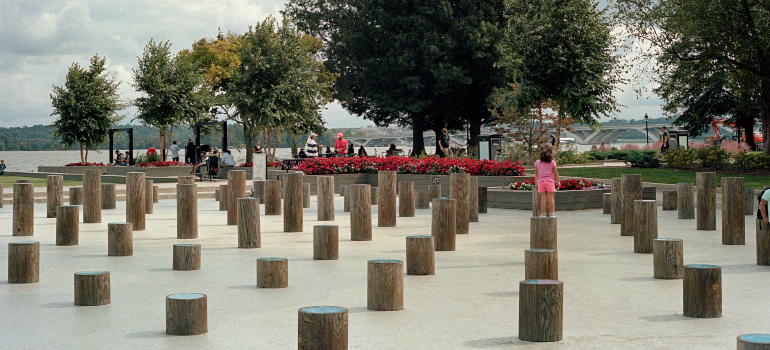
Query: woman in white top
311	147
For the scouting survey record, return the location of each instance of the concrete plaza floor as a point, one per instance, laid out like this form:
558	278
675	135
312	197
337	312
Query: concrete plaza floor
611	300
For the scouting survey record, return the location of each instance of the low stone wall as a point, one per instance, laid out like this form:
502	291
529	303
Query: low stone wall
119	170
564	200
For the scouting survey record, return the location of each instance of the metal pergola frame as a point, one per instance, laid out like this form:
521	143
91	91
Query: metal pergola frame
130	144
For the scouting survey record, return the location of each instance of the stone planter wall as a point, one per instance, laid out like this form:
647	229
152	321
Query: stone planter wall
564	200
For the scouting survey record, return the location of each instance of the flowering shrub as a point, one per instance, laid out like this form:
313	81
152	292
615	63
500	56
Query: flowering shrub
522	186
630	146
158	164
85	164
406	165
564	185
269	164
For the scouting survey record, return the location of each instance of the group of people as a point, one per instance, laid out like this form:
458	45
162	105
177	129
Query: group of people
342	148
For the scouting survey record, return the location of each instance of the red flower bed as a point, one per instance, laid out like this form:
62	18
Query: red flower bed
158	164
269	163
85	164
564	185
406	165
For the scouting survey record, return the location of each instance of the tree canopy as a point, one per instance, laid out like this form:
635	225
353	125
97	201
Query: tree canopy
87	106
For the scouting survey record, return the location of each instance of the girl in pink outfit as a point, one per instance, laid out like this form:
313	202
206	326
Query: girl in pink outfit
547	177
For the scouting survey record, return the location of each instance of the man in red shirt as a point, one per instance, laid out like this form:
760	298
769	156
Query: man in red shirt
340	145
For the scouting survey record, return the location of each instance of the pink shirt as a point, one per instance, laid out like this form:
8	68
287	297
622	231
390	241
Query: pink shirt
545	171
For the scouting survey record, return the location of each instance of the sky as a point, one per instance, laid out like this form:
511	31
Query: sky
41	39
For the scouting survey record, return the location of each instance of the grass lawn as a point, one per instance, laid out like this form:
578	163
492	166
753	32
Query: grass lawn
666	176
8	181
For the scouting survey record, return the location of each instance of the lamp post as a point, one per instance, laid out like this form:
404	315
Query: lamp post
646	128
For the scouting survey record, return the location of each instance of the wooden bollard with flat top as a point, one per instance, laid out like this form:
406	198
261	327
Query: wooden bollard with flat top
702	293
631	190
361	213
669	199
482	200
249	235
748	197
667	257
186	314
473	200
541	310
753	342
386	204
733	213
186	211
76	195
607	203
536	202
420	255
645	225
23	209
422	199
272	273
109	196
325	197
459	191
135	192
443	226
706	197
375	195
67	224
92	196
272	197
222	197
326	242
541	264
542	232
345	198
385	285
186	180
1	195
155	194
323	327
148	202
685	207
54	194
434	191
92	288
187	257
120	239
406	199
24	262
305	195
292	203
236	188
763	243
616	188
258	190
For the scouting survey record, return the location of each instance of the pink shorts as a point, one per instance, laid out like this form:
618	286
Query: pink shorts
546	186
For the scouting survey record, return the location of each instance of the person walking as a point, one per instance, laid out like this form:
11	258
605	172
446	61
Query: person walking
546	178
444	144
174	152
189	152
665	145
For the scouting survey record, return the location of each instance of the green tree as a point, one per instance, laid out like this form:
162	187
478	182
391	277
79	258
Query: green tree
424	65
172	92
562	51
87	106
729	38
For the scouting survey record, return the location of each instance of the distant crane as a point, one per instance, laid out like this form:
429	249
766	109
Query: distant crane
715	122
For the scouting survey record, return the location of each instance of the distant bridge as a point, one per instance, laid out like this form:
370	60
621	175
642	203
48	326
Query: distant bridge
401	140
608	134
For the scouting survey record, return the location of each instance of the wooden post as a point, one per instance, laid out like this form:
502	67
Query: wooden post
272	273
120	239
326	242
702	291
345	198
422	199
23	209
617	189
325	197
685	206
272	197
541	264
186	180
24	262
733	211
748	197
420	255
1	195
222	197
375	198
248	223
76	195
482	200
361	215
109	196
135	213
706	210
473	200
92	196
443	226
187	257
607	203
186	314
385	285
216	195
305	195
258	190
667	258
323	327
186	211
24	181
236	188
669	199
54	194
536	202
342	190
753	342
148	203
92	288
386	204
542	232
406	199
645	225
763	243
434	191
292	203
155	194
631	187
67	217
459	190
541	310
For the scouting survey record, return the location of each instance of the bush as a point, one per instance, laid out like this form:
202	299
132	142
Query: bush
752	161
712	157
681	157
571	156
643	159
146	158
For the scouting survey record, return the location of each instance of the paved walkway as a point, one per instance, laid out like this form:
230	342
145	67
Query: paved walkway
611	300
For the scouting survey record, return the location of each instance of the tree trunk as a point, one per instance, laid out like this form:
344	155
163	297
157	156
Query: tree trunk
162	143
748	128
764	96
249	134
83	160
418	143
86	153
438	133
475	131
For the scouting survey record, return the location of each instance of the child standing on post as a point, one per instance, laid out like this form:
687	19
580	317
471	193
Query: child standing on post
546	177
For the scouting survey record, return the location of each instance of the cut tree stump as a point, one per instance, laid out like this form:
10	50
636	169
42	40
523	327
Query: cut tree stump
148	197
542	232
631	190
187	257
325	197
155	194
473	200
249	235
645	225
667	257
323	328
386	195
443	223
258	190
222	197
54	190
748	197
422	199
272	273
272	197
685	205
345	198
482	200
385	285
420	255
706	210
186	180
541	310
92	196
616	188
23	209
109	196
326	242
186	314
763	243
24	262
733	211
375	197
607	203
236	188
536	202
76	195
292	203
120	239
92	288
361	215
702	293
434	191
541	264
186	211
67	224
669	199
459	191
305	195
753	342
406	199
1	195
135	213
